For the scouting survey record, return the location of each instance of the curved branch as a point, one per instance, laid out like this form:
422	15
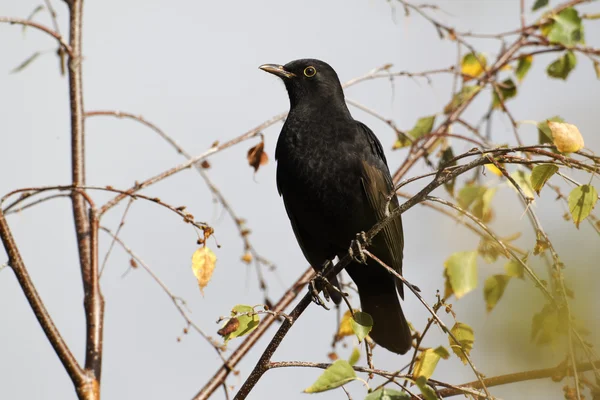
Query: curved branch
40	27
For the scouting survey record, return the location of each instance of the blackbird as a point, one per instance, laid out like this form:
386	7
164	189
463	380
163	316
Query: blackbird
334	180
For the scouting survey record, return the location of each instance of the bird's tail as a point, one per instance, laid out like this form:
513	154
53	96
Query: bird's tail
390	328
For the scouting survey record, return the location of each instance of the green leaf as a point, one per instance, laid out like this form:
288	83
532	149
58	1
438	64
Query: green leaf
493	289
362	323
582	200
465	336
477	199
461	271
566	28
523	67
544	132
545	326
387	394
540	175
507	90
426	390
354	357
422	127
465	94
523	179
336	375
25	63
247	323
30	17
490	250
515	269
561	68
539	4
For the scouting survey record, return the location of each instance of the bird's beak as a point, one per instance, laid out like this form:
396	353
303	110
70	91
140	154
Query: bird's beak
277	70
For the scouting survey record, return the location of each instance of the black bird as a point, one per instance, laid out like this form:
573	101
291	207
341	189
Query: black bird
334	179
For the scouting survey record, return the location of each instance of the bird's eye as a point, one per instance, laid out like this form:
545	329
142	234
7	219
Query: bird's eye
309	72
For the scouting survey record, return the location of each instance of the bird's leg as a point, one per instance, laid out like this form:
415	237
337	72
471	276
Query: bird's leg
356	248
318	283
314	289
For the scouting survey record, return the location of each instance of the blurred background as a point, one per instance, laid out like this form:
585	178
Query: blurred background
192	69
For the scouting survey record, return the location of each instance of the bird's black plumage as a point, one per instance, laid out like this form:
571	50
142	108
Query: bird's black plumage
334	180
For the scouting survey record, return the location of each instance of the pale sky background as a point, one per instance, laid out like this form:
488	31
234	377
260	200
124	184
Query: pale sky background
192	69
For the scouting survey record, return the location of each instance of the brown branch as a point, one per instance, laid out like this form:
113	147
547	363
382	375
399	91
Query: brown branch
177	301
86	226
373	74
242	230
555	373
435	316
221	375
75	372
54	34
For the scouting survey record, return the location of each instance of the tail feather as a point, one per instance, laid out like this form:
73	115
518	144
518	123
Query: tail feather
390	328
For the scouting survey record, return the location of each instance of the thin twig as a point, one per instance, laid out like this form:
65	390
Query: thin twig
54	34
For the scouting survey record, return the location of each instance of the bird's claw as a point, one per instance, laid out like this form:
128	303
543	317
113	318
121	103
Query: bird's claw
314	290
356	248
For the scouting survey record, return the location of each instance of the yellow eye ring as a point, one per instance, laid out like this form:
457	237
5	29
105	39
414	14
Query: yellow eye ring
309	72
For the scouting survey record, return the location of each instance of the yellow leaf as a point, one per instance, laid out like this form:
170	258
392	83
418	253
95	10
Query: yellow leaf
566	137
493	169
345	328
203	264
465	336
426	362
472	65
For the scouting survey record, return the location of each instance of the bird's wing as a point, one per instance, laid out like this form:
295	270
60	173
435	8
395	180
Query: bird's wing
377	185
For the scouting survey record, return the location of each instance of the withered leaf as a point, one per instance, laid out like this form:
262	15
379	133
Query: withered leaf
230	326
257	156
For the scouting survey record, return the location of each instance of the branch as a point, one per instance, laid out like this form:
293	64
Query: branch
86	226
221	375
75	372
54	34
556	373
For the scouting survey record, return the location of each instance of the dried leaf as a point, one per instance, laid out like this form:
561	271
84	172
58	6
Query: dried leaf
231	326
345	328
566	137
247	321
203	265
257	156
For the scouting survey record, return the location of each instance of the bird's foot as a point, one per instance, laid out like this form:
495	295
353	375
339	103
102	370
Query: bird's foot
356	248
318	283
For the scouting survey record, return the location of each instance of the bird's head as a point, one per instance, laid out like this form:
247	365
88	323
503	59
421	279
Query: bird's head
308	81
